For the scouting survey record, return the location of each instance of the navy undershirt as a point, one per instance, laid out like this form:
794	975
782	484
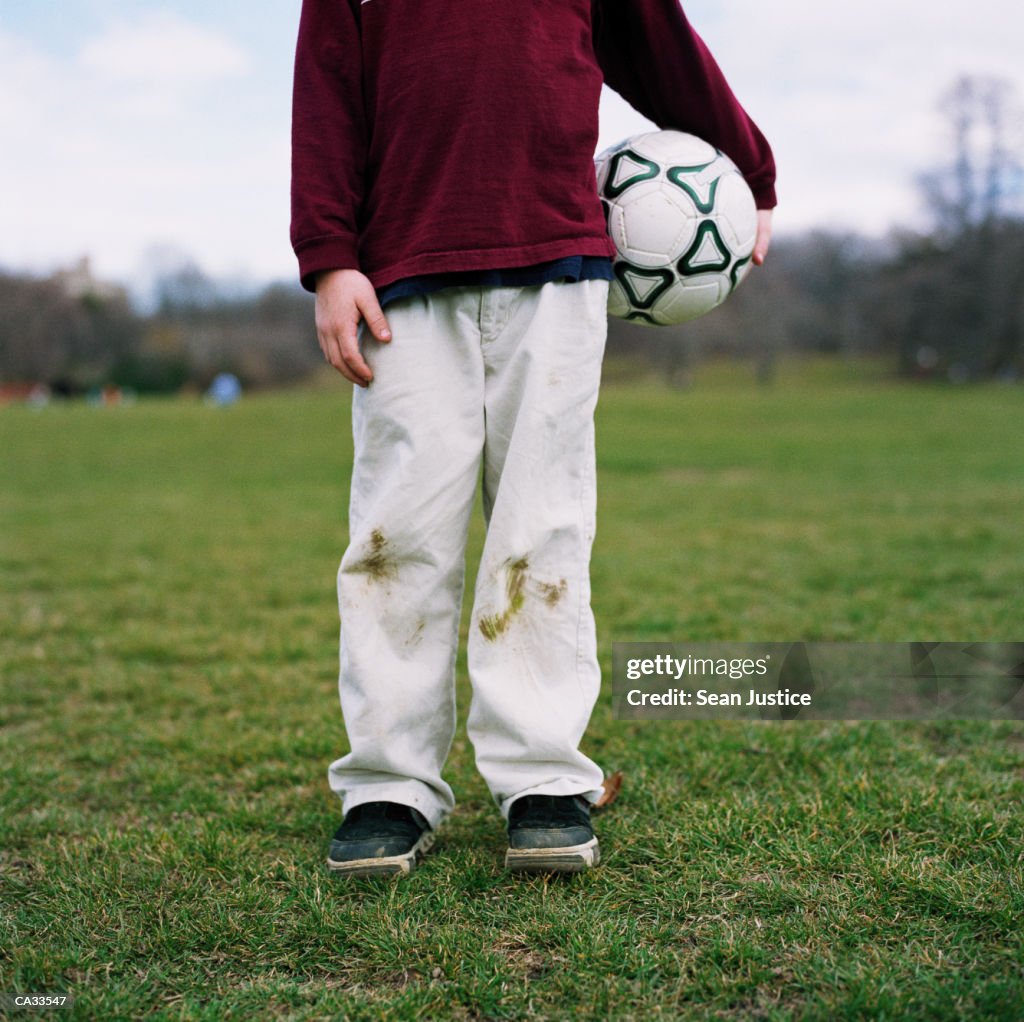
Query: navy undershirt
570	268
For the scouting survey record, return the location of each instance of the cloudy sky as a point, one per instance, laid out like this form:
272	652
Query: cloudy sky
130	125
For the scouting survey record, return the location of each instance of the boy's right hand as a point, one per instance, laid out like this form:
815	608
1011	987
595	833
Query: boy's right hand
343	298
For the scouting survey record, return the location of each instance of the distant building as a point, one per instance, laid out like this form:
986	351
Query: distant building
78	281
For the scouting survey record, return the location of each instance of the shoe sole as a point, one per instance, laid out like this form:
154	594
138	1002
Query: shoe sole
572	859
391	865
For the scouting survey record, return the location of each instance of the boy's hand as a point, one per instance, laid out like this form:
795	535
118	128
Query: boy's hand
764	236
343	298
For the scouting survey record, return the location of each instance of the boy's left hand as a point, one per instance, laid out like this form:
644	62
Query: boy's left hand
764	236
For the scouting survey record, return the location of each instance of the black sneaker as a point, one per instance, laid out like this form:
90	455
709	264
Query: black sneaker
378	838
550	833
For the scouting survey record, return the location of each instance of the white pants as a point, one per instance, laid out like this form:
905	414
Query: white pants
506	378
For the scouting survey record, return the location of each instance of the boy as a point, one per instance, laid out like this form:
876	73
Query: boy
443	170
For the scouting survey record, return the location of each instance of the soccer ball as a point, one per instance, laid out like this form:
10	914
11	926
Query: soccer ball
683	221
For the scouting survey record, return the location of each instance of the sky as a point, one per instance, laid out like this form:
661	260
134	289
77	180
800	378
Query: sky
146	131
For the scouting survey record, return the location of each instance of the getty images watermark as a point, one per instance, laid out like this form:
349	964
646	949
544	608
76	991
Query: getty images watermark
818	680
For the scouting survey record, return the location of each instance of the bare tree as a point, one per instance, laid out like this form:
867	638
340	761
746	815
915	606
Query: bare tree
980	183
965	282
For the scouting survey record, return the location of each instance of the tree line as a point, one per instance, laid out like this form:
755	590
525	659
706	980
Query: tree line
74	334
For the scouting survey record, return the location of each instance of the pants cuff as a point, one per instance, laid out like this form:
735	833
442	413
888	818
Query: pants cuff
560	787
406	793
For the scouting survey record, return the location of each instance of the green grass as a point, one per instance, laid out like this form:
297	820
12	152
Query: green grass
168	646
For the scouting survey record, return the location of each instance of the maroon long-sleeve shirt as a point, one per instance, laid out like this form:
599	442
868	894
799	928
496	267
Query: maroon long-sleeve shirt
442	135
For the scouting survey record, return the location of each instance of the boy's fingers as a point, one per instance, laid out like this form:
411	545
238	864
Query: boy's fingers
353	357
374	318
764	236
331	345
339	311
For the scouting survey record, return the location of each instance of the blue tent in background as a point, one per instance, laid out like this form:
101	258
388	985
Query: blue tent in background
226	389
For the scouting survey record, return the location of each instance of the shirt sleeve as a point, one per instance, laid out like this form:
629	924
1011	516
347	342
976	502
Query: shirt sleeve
329	139
654	59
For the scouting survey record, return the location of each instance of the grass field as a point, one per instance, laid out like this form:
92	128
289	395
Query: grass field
168	646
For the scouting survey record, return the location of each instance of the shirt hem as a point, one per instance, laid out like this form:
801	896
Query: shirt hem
460	260
572	269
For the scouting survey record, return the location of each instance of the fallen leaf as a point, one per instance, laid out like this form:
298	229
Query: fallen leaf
611	786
